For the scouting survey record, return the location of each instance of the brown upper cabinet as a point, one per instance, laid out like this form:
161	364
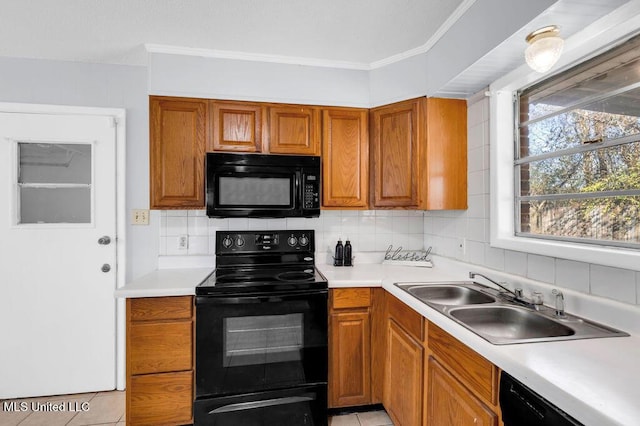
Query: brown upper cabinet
345	158
294	129
236	126
419	154
410	155
178	133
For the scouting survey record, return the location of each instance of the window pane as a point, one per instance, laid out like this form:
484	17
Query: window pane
612	71
605	169
55	205
609	219
54	163
595	123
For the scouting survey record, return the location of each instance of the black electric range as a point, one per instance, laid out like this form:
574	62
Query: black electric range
261	332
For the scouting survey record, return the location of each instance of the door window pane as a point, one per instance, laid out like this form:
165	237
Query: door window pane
54	183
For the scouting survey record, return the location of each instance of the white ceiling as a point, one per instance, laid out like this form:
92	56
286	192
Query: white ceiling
362	34
115	31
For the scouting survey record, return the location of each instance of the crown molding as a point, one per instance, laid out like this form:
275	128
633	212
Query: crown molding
255	57
446	26
314	62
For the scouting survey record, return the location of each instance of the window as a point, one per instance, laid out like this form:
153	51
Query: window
54	183
577	156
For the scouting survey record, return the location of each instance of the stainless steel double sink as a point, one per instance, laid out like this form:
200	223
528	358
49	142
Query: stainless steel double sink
500	318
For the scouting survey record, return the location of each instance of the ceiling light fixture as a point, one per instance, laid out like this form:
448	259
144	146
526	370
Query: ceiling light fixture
545	47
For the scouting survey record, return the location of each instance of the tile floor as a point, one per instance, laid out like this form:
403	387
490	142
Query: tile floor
97	408
107	409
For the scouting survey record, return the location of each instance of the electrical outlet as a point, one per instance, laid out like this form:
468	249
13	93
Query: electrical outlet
140	217
461	246
183	242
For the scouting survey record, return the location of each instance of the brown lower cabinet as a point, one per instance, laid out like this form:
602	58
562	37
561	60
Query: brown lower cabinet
431	378
350	347
450	403
159	360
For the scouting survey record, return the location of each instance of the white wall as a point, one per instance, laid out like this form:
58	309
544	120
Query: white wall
214	78
445	230
97	85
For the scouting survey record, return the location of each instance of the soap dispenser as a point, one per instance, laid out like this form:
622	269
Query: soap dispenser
339	254
347	253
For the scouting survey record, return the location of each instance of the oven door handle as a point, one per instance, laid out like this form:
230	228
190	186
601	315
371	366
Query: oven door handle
238	300
241	406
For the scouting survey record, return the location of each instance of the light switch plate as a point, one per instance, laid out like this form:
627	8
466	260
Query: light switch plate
140	217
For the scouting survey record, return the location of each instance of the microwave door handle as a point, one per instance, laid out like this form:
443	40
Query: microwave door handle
241	406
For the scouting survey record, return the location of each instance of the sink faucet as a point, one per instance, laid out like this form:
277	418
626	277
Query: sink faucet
517	295
559	303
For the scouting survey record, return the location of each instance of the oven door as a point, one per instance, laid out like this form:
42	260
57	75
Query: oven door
257	343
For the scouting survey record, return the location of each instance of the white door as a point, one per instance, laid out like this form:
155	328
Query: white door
57	309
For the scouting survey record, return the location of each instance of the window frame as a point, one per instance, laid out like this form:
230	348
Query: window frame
593	40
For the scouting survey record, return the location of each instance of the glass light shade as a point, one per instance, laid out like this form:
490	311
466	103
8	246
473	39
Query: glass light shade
543	52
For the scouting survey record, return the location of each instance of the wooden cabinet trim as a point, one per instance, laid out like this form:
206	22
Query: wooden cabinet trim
161	308
472	369
409	319
450	403
344	298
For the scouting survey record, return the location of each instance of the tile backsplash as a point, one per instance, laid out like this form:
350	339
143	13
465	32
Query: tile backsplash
368	230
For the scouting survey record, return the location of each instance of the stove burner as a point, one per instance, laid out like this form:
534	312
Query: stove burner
234	278
306	275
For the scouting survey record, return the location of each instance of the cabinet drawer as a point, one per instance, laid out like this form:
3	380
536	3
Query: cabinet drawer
343	298
475	371
160	308
160	347
409	319
160	399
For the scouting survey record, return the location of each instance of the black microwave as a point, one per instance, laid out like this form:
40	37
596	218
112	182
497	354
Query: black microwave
259	185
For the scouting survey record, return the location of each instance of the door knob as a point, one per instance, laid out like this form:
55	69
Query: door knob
106	267
104	240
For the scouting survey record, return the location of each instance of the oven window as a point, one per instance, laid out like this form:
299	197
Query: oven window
254	191
263	339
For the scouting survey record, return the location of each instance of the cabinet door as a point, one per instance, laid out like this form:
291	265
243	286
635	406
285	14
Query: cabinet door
395	144
350	359
451	404
236	126
294	130
178	136
160	399
345	159
445	178
403	377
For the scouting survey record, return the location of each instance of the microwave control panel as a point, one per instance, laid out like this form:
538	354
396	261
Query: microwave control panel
311	195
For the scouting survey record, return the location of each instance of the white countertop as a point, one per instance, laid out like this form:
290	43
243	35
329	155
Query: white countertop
597	381
165	282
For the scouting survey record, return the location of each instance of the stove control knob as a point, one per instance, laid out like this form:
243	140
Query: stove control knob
240	242
304	240
227	242
292	241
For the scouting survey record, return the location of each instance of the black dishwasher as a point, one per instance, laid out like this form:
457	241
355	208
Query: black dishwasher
523	407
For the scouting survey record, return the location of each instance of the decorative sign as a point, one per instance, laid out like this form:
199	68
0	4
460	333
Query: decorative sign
408	257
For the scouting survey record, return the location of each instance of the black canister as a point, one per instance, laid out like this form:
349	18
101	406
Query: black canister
347	253
338	258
